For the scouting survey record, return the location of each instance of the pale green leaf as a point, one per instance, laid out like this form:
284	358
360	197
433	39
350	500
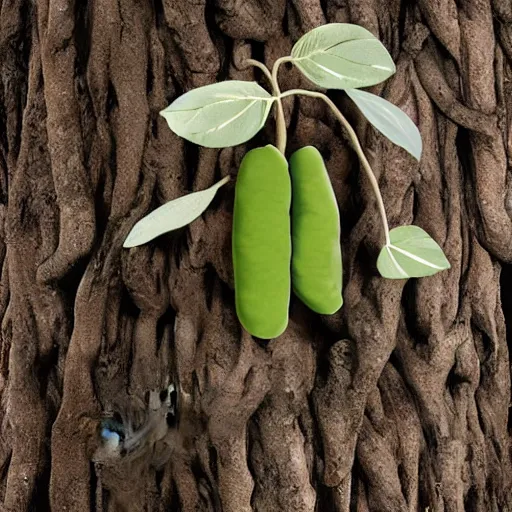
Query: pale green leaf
341	56
411	253
392	122
220	115
172	215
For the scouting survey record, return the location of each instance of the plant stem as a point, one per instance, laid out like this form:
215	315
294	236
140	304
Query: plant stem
260	65
280	120
223	181
357	147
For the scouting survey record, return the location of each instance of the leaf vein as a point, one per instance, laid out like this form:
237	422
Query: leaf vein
416	258
229	121
397	265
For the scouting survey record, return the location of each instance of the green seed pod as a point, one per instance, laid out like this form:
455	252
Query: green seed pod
262	242
316	260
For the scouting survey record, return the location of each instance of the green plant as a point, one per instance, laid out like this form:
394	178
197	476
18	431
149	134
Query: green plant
316	254
335	56
261	242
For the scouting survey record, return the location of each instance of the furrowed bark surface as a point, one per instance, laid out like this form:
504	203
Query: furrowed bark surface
399	402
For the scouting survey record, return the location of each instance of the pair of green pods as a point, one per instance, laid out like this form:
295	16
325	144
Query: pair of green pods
267	240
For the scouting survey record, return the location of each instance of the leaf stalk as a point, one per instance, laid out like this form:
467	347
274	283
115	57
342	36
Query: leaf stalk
357	147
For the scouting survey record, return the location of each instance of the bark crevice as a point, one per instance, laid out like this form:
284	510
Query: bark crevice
399	402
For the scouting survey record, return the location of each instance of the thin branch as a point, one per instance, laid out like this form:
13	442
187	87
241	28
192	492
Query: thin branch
260	65
357	147
280	120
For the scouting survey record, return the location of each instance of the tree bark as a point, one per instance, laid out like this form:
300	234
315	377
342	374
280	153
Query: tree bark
399	402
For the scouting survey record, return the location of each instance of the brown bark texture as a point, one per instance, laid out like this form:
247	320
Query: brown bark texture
399	402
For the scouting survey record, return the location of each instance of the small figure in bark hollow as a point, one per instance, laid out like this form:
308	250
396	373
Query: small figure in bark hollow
128	434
